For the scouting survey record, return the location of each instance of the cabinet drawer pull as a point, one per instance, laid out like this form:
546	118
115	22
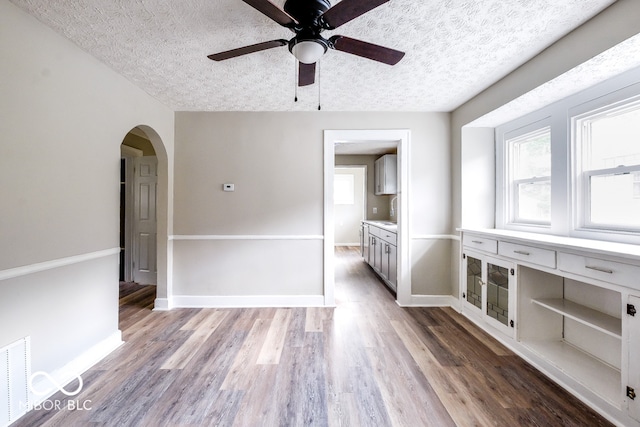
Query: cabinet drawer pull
478	242
522	253
600	269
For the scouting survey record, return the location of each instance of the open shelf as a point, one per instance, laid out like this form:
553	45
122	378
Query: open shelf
601	378
602	322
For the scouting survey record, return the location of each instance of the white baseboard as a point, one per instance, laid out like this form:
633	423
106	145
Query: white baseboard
77	366
162	304
348	244
247	301
432	301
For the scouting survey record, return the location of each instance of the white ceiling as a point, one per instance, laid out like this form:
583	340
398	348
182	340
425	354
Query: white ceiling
454	50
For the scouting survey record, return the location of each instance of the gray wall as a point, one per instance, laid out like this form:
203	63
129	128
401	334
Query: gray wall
276	163
63	116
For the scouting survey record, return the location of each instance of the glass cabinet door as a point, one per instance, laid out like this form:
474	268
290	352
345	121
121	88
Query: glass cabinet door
498	293
474	282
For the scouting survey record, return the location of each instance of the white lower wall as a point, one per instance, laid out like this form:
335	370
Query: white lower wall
65	310
248	267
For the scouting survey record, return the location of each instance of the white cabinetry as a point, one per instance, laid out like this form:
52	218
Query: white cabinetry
488	291
386	174
573	302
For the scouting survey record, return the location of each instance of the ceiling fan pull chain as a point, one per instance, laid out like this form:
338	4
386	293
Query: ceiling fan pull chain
319	108
295	79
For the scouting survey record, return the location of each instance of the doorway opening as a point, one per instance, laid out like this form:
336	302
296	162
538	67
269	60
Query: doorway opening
138	219
350	203
361	147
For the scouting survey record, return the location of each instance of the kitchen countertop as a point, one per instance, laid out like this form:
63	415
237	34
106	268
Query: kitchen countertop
385	225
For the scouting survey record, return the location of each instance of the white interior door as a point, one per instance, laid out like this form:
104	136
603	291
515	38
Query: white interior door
144	222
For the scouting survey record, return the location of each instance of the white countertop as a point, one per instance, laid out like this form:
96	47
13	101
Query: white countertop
385	225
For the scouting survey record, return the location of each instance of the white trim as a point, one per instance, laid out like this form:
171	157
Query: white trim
245	237
435	237
56	263
433	301
347	244
243	301
162	304
77	366
403	139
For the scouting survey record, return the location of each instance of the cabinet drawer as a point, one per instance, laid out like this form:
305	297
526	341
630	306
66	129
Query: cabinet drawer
374	231
388	236
480	243
607	271
539	256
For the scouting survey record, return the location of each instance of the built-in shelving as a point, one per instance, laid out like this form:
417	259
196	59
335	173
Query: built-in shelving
602	378
597	320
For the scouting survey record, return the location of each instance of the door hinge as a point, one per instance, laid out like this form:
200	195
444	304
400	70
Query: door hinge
631	309
464	296
464	256
631	393
511	323
513	272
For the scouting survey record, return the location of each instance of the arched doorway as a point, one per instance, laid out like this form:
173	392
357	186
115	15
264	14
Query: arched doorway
142	145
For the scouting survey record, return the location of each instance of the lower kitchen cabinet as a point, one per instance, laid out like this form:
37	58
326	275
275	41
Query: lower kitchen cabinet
382	253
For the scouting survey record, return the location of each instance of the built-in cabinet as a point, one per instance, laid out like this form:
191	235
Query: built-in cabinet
381	251
488	290
386	174
569	306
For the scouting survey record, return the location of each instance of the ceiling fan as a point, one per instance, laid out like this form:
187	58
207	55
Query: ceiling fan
307	19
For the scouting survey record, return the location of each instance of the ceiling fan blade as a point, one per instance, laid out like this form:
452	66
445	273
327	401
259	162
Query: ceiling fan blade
347	10
306	74
366	49
273	12
247	49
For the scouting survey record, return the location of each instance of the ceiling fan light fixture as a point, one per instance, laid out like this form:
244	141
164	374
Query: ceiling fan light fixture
308	51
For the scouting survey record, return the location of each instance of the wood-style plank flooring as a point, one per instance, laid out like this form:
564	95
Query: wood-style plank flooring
367	362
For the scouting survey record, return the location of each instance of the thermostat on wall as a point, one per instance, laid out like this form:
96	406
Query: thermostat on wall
228	187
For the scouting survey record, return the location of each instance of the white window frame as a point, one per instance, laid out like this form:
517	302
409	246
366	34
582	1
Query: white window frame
506	195
565	187
604	106
514	184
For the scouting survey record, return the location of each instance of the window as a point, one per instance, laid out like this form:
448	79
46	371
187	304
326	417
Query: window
529	172
607	145
343	189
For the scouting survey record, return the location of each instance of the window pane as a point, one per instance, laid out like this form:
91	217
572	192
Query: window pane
534	202
343	189
615	141
613	202
532	155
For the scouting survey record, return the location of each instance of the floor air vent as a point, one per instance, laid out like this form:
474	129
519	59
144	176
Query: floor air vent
15	363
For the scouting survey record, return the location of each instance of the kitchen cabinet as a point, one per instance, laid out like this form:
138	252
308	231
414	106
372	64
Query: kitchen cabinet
382	252
386	175
574	302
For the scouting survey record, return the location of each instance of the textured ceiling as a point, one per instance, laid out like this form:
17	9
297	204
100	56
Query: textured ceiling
454	50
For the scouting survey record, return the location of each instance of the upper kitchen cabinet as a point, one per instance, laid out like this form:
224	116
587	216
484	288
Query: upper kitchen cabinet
386	171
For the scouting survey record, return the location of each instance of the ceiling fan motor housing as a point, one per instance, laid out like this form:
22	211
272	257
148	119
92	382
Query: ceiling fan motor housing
307	12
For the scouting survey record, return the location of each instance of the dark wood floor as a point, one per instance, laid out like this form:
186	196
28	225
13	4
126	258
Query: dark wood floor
368	362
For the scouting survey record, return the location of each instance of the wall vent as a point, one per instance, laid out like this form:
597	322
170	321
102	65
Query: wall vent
15	369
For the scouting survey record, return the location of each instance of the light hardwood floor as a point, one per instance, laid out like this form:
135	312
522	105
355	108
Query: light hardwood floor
368	362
